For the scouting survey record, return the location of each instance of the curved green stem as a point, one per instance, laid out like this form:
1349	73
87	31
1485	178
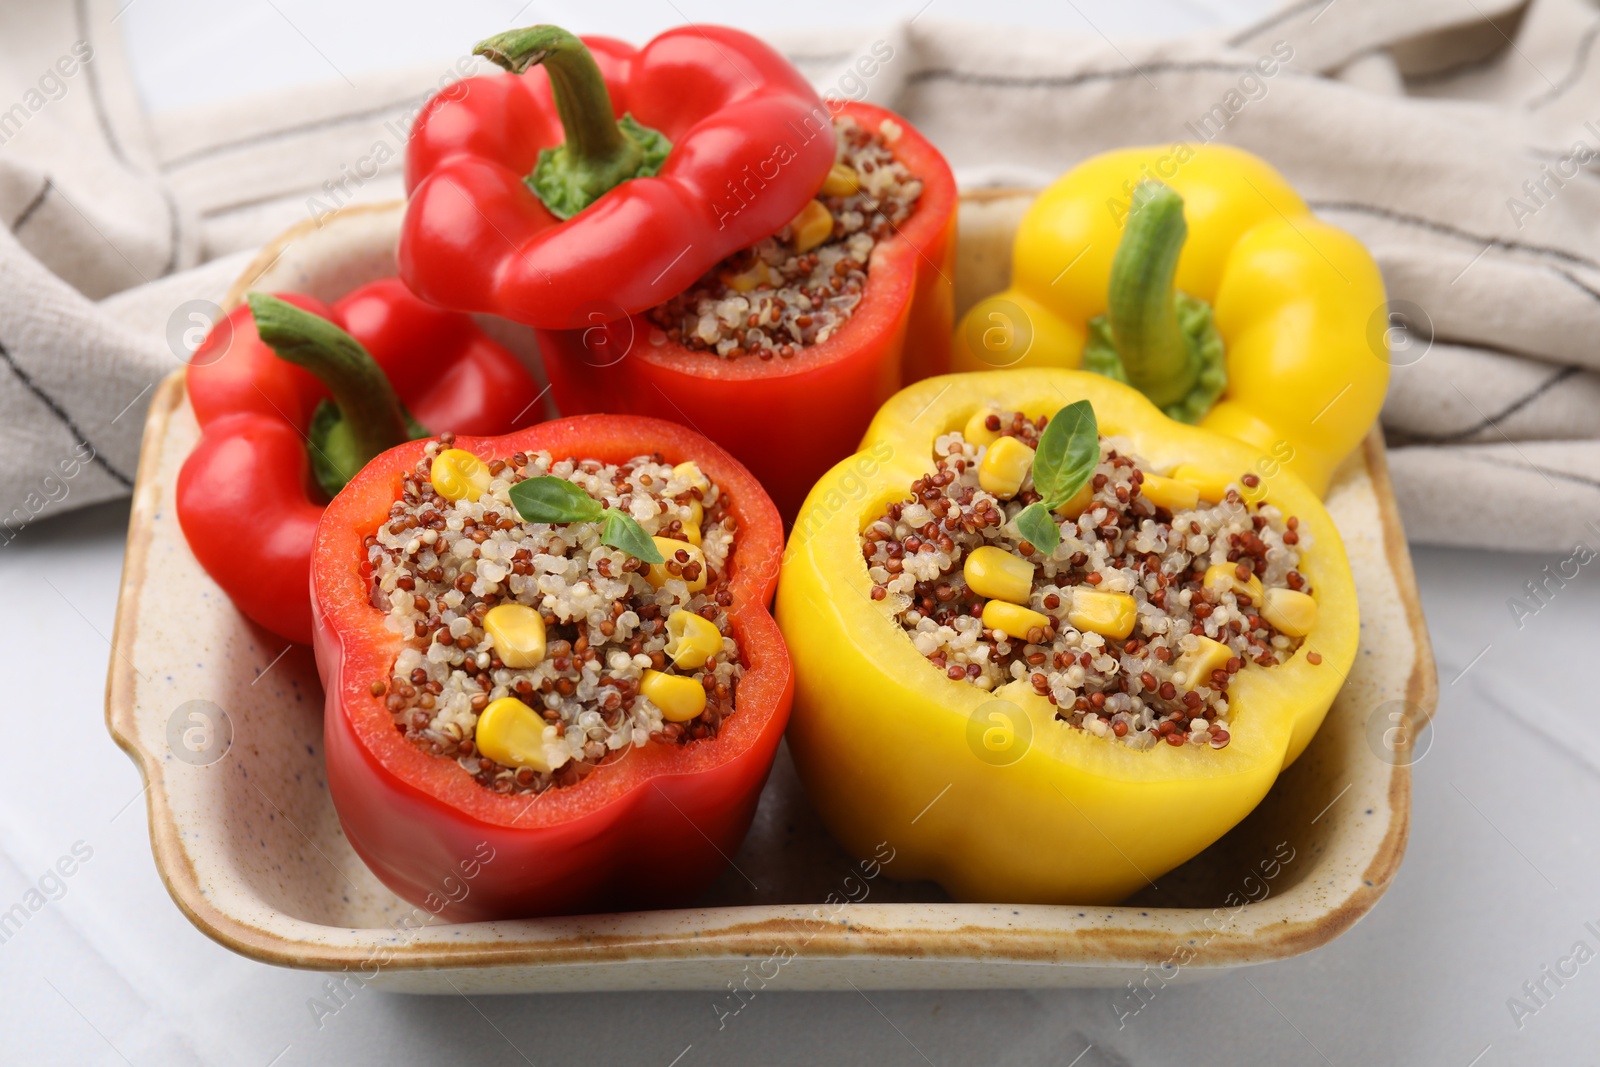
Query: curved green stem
1160	341
582	100
365	417
1142	306
600	152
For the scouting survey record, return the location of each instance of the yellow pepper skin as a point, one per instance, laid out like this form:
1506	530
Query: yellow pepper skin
1000	801
1295	300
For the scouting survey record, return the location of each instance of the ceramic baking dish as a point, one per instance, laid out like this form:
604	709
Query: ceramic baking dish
250	848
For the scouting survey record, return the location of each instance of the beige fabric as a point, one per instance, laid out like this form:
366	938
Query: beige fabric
1456	137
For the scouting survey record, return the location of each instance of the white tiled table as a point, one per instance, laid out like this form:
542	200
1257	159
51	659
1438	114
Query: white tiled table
1496	883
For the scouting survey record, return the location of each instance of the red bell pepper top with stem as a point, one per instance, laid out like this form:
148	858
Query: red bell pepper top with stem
649	830
662	160
790	420
249	495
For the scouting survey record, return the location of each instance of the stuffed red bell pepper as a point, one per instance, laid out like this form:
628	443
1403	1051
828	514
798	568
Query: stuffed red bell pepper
549	664
787	269
290	405
803	335
601	180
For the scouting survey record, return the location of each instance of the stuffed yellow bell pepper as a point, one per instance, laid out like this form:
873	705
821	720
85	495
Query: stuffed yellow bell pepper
1017	780
1199	276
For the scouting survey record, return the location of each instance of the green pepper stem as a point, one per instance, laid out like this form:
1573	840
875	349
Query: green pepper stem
371	419
1142	308
600	152
582	100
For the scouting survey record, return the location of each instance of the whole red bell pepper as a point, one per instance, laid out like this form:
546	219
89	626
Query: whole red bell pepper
278	439
647	831
722	138
790	420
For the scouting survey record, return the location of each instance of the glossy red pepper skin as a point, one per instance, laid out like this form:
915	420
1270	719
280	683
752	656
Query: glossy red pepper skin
646	832
751	144
246	499
790	420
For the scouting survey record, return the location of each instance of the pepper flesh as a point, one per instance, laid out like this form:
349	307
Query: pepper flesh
891	749
751	145
649	830
246	499
827	393
1293	297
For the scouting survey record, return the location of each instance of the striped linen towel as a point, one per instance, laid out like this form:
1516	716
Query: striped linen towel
1460	139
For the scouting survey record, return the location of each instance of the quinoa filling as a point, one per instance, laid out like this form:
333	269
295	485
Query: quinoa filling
441	566
1191	589
797	287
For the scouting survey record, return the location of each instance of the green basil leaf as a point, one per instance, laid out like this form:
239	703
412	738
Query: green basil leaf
619	530
1069	450
554	500
1039	526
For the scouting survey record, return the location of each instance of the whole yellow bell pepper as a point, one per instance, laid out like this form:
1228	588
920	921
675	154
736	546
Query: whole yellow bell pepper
995	799
1196	272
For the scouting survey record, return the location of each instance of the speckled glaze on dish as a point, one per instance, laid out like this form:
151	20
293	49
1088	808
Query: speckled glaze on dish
251	850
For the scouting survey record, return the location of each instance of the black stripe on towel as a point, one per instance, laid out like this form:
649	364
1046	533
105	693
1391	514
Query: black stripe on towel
33	205
63	416
1493	421
1067	81
1444	229
1530	468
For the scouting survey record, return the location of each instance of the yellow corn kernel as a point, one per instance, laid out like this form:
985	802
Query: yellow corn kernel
1079	503
518	634
1013	619
1289	611
689	471
1169	493
1027	699
692	535
679	698
511	733
658	574
691	639
1212	485
752	277
1004	466
1197	666
1107	614
1224	577
811	227
994	572
977	431
457	474
842	180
